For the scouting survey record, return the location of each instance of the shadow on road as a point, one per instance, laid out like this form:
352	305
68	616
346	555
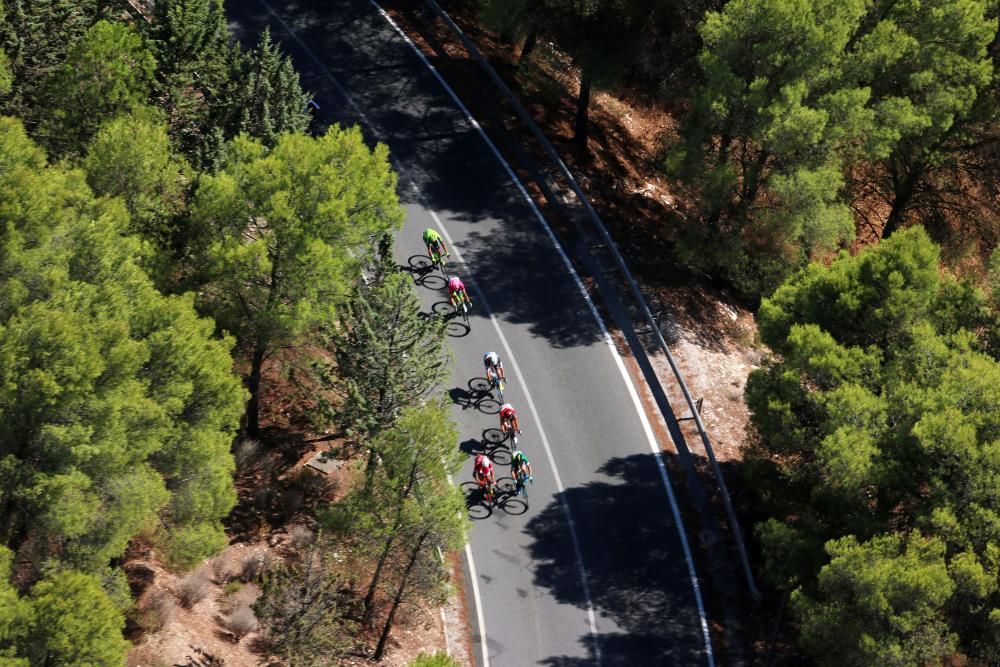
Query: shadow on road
436	149
635	567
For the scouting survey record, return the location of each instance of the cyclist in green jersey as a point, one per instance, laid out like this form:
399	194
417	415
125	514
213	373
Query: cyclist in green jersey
520	469
434	243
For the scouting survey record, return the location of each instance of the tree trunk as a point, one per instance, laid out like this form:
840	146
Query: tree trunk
380	649
582	107
529	45
253	386
903	192
369	604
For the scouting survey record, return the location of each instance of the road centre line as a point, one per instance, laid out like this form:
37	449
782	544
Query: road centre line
621	366
633	393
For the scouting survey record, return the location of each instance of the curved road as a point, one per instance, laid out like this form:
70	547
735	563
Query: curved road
593	572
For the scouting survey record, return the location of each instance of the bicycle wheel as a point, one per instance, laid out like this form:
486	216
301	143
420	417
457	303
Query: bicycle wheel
465	312
499	387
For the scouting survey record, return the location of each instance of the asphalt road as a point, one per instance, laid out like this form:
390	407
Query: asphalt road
592	572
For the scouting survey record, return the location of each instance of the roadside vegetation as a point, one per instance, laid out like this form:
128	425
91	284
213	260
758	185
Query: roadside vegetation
172	234
191	281
834	164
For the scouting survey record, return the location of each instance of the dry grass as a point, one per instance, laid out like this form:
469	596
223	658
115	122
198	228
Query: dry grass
193	588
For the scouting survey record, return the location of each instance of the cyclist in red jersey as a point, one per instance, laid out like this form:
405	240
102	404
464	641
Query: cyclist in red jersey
482	472
508	419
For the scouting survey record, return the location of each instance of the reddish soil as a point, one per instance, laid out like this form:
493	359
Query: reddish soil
277	494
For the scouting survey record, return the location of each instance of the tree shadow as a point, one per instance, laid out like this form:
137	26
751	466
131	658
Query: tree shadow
635	566
437	149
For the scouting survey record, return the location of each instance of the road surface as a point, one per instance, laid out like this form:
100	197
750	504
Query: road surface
593	571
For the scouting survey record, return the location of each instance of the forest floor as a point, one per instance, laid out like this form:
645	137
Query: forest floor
201	619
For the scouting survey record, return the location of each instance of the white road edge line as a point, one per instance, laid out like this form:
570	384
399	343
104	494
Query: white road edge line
654	447
476	596
607	336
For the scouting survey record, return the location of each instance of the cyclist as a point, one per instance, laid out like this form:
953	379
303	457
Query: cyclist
508	419
482	472
456	290
493	366
520	468
434	243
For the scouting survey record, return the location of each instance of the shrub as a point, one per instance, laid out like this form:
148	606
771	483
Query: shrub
241	622
439	659
157	611
193	589
222	570
256	565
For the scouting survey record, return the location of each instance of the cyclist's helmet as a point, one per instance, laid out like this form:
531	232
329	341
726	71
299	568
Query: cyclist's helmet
518	458
491	359
483	464
455	284
507	411
431	236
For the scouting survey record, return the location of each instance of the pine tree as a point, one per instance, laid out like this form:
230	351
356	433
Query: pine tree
74	623
107	72
303	608
877	417
284	233
384	519
388	356
117	404
266	98
130	157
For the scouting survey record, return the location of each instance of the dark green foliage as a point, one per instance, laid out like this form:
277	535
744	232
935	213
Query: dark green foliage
117	407
107	72
796	93
265	98
36	36
284	232
879	418
389	356
302	605
189	35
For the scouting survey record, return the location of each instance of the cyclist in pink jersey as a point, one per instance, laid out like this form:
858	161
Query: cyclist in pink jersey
456	290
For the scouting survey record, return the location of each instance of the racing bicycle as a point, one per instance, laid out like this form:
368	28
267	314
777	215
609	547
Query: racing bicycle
489	491
496	382
437	259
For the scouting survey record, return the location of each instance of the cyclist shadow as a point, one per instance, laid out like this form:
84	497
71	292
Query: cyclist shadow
480	389
455	327
420	267
497	446
497	452
507	501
